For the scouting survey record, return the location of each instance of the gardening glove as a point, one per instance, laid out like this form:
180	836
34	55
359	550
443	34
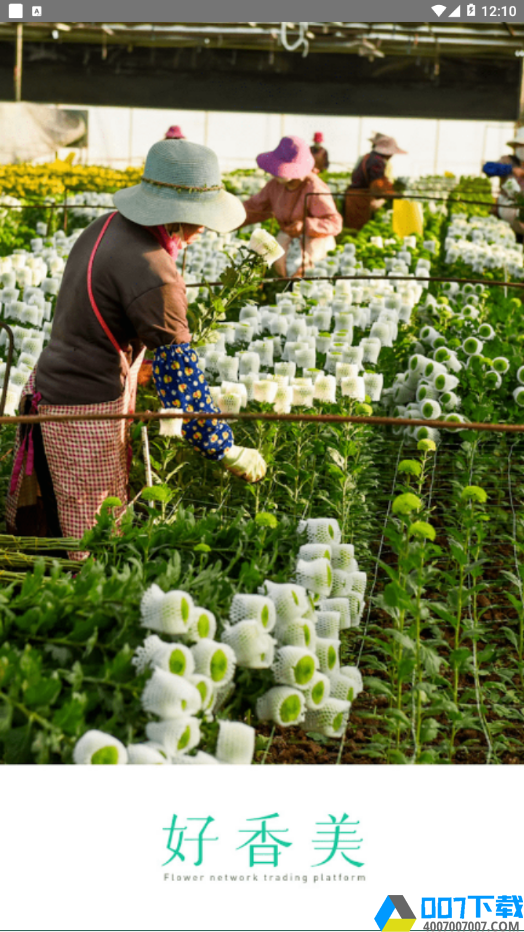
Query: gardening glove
245	463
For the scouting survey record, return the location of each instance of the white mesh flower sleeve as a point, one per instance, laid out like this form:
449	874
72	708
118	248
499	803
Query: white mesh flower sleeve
144	754
282	705
177	735
253	647
297	633
356	607
318	691
341	585
176	658
206	688
338	605
97	747
290	601
168	612
342	687
328	624
358	583
354	675
236	743
200	759
168	695
217	661
327	650
253	608
330	720
321	530
315	551
295	666
315	575
343	557
202	625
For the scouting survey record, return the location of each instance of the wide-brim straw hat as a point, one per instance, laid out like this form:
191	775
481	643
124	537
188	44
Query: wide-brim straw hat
519	138
181	184
291	159
386	145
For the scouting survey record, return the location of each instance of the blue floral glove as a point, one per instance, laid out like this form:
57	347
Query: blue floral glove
180	384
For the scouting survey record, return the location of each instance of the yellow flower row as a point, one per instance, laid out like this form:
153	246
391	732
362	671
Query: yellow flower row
55	179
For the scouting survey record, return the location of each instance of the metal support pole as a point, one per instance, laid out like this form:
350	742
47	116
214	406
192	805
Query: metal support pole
18	61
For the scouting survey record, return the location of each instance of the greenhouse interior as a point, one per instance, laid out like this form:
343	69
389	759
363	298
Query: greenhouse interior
261	393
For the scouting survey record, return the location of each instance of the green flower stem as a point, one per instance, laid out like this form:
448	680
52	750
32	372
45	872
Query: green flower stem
30	714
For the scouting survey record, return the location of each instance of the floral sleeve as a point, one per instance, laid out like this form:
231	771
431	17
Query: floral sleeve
180	384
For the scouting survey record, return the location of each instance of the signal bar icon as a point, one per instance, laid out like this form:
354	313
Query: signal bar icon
439	9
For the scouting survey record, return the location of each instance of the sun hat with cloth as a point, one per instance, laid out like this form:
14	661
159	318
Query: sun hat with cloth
181	183
386	145
174	132
318	138
519	138
291	159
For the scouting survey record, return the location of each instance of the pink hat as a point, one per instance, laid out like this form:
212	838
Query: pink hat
174	132
318	138
290	159
386	145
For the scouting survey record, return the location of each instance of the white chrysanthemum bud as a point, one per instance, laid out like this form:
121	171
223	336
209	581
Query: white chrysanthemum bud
265	246
418	363
297	633
492	379
200	759
144	754
253	608
170	427
327	651
340	605
169	612
177	735
97	747
501	364
345	370
371	347
286	368
486	332
282	705
265	391
359	582
356	608
343	557
315	575
353	355
303	396
342	687
315	551
229	403
206	689
472	346
318	691
177	658
253	647
431	410
283	399
426	433
449	401
236	743
294	666
426	392
341	583
354	675
328	624
168	696
518	395
202	625
353	387
289	600
330	720
373	383
217	661
321	530
445	382
325	388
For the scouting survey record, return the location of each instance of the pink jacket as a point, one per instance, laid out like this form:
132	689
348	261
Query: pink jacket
273	200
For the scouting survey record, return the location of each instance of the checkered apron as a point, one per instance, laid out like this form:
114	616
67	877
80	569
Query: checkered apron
88	460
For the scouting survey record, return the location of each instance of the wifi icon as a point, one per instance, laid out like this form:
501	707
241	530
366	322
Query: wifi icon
439	9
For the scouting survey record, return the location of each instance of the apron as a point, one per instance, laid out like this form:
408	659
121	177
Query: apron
88	461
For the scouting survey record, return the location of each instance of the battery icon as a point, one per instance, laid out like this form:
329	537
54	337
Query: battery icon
471	9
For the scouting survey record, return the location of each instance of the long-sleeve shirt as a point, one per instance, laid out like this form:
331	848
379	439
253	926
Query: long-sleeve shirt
140	295
274	200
